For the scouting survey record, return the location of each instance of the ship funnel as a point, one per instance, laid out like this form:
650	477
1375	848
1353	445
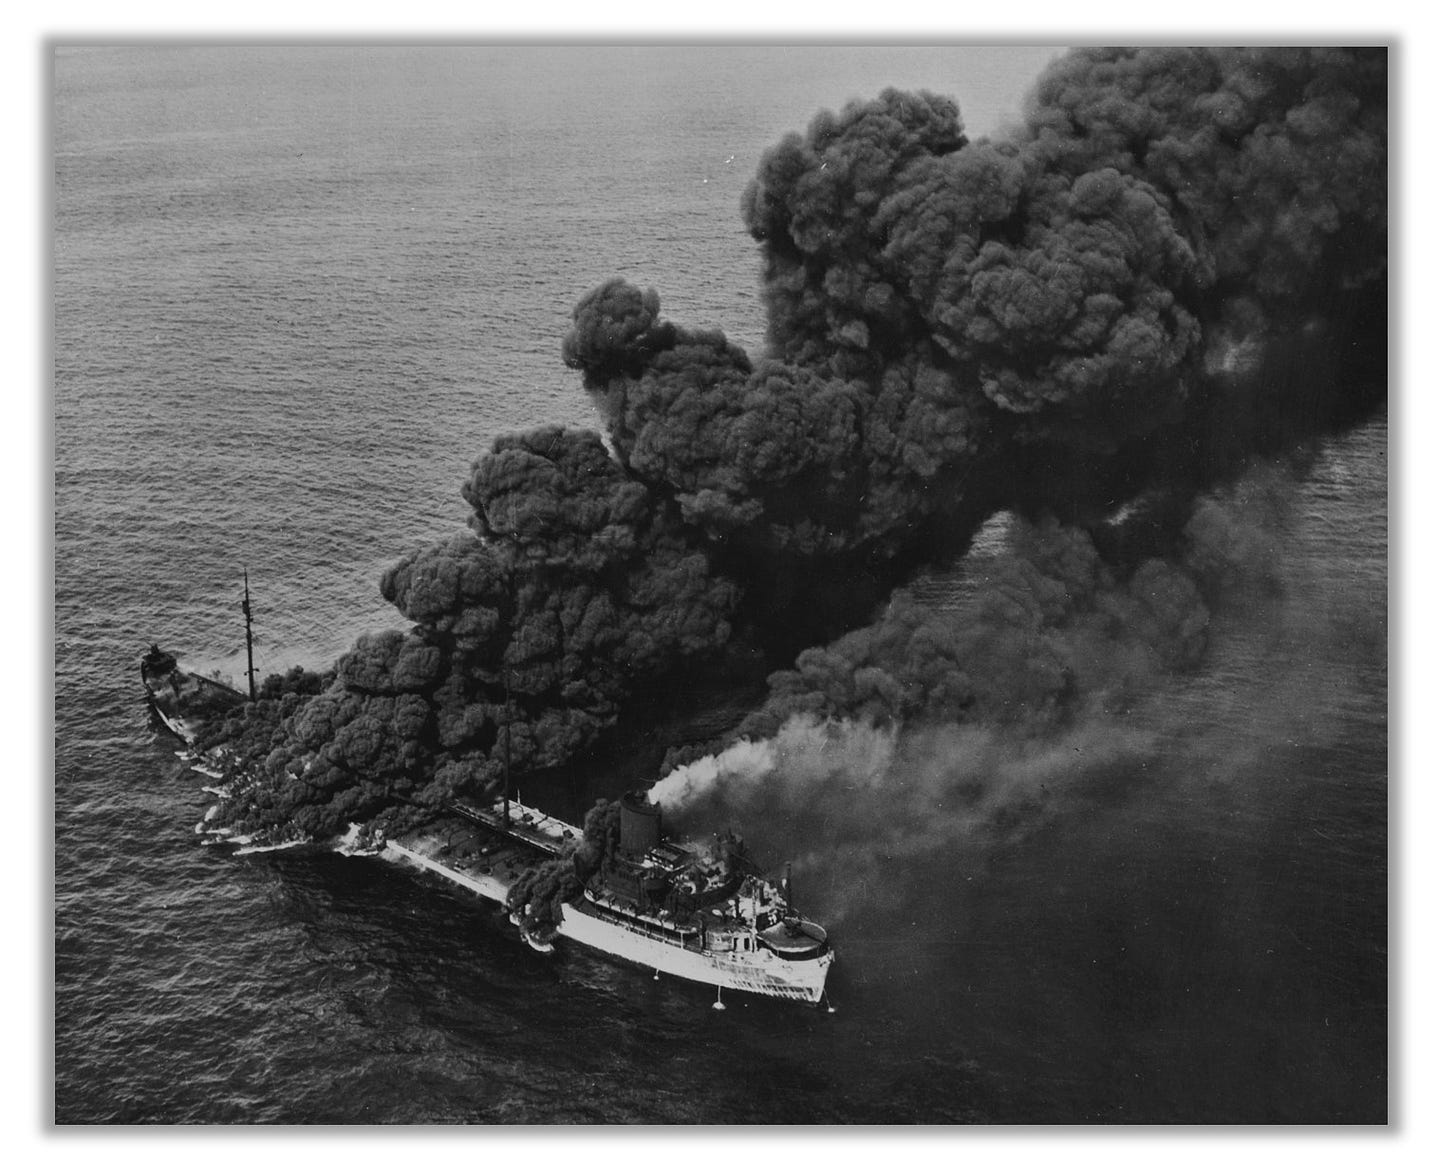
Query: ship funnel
641	824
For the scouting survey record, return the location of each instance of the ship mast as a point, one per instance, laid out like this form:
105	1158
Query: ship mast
506	780
248	627
509	715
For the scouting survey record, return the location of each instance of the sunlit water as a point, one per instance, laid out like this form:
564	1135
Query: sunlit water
296	293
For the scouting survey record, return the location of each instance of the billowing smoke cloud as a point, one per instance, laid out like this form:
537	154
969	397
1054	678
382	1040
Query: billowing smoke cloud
934	737
1176	265
536	898
1107	303
576	588
1048	635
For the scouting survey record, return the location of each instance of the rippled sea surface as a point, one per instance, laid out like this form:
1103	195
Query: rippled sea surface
296	293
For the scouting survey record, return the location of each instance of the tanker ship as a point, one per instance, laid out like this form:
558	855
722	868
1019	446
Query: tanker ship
702	912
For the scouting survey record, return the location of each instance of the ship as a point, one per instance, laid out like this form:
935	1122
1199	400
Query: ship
700	912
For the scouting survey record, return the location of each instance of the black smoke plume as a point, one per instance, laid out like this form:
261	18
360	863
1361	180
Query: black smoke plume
1177	265
576	588
894	763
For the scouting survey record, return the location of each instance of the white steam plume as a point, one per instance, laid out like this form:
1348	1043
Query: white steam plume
847	752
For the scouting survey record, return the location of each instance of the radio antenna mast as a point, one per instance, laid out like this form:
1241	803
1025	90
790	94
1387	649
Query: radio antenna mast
248	627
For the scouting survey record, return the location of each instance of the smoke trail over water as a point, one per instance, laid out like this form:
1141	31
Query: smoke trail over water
938	738
863	810
1176	266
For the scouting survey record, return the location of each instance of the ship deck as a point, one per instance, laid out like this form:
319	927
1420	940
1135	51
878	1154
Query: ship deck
527	825
487	867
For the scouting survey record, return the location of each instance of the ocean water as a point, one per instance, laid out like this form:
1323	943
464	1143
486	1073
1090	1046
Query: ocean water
297	290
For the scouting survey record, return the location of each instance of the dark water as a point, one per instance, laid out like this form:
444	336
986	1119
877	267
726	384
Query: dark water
296	293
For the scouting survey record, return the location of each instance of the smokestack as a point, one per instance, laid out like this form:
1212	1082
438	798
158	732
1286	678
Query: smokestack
641	825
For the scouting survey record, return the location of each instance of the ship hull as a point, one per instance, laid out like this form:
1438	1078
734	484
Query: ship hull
173	726
492	887
750	972
758	971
